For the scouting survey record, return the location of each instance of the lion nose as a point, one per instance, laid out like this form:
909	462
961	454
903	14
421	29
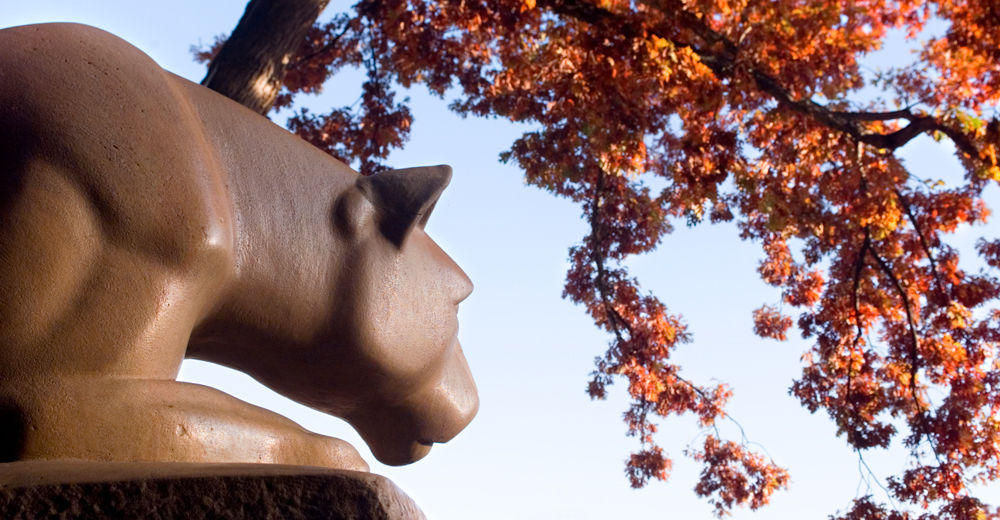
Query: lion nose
464	285
459	283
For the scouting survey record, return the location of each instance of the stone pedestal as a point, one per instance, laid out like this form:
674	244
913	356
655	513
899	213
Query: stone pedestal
82	489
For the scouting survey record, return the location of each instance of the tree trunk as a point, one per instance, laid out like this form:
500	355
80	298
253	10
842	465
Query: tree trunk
252	63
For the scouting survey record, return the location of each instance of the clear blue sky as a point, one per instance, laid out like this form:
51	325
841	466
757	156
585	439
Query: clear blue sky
539	447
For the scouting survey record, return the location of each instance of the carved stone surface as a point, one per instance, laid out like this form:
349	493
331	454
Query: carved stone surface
144	219
79	489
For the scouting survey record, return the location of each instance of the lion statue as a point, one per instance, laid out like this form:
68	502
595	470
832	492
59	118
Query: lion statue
145	219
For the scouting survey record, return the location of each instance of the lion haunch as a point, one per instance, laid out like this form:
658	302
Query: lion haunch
144	219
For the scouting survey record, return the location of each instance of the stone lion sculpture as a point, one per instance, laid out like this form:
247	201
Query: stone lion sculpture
145	219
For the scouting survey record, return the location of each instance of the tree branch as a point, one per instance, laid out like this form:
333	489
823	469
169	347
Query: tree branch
616	319
905	113
723	64
328	46
252	63
859	266
923	244
911	323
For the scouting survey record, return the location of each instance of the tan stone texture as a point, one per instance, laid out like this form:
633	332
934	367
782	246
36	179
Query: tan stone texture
145	219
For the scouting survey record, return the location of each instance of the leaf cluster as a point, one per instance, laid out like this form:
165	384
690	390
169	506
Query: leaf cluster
749	111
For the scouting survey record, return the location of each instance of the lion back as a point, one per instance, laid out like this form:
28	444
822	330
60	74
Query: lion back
112	206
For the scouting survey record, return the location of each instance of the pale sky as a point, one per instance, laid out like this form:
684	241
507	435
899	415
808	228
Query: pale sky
539	447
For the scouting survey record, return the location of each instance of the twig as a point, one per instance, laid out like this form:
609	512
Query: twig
923	244
912	327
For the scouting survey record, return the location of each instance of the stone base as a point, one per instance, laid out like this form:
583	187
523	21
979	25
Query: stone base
83	489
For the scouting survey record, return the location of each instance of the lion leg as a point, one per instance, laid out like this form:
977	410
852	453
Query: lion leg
91	337
130	420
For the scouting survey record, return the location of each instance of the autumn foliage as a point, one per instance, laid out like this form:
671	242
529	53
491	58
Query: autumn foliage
753	111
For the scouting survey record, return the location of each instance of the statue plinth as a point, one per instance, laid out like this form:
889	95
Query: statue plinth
87	489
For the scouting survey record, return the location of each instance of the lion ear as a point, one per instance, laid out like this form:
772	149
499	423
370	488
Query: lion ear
404	198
